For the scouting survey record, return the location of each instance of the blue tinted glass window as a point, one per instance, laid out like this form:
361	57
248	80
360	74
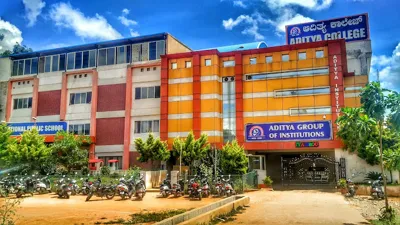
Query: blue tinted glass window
85	63
78	60
34	69
15	68
71	61
20	67
110	56
62	62
27	66
54	65
153	51
47	65
92	58
128	54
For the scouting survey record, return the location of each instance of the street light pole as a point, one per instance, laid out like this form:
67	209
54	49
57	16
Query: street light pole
180	160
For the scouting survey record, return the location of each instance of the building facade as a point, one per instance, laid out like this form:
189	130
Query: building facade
109	91
279	102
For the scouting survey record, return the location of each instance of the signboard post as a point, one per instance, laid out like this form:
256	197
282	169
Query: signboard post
290	131
351	28
44	128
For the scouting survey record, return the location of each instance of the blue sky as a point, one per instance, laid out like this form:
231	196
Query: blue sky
42	24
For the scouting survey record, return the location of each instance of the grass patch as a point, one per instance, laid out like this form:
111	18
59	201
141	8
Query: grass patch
229	217
147	217
396	221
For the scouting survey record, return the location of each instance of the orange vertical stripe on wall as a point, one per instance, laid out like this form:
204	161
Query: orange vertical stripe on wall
9	103
63	104
127	125
35	97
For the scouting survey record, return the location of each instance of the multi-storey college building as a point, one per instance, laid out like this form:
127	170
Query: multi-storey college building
279	102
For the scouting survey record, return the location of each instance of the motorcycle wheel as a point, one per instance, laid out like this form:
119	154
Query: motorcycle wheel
43	190
175	194
89	196
140	196
18	194
84	191
228	194
110	195
164	194
123	196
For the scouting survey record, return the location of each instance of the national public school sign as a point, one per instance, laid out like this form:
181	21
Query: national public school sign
44	128
295	131
351	28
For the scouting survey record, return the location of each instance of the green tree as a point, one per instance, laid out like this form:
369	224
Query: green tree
191	149
5	140
68	150
29	153
18	48
153	149
234	159
379	103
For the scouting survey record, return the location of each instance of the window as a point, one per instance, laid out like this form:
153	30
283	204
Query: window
319	54
174	66
102	57
121	55
41	65
147	126
297	92
285	58
71	61
352	88
92	58
80	98
299	73
229	63
229	108
302	55
152	50
208	62
85	59
110	56
61	65
54	63
80	129
188	64
106	159
34	65
147	92
22	103
47	64
268	59
24	67
253	61
78	60
310	111
27	67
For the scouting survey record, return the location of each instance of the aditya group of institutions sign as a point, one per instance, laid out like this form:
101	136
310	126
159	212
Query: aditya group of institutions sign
44	128
351	28
291	131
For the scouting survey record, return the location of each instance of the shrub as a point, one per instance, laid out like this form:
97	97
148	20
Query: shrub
85	171
373	176
105	170
268	181
342	183
114	175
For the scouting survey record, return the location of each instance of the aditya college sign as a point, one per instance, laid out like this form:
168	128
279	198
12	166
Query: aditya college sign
351	28
293	131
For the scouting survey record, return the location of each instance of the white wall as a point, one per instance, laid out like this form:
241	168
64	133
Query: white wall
20	115
5	69
357	168
113	74
78	111
50	81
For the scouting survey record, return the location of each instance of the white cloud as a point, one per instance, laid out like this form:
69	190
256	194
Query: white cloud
125	11
253	21
289	17
33	8
96	27
389	69
230	23
239	3
134	33
11	35
309	4
125	21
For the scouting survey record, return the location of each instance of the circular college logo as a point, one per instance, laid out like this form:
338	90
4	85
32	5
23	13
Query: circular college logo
256	132
295	31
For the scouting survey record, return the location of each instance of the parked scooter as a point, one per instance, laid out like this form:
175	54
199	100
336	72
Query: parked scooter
219	187
205	187
85	186
63	189
351	188
178	189
140	188
75	189
377	191
125	188
194	189
41	185
228	186
101	190
165	188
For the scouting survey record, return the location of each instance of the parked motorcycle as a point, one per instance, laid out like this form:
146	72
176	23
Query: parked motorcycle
7	186
63	189
125	188
75	189
351	188
219	187
194	189
85	186
377	191
42	185
178	188
165	188
101	190
24	187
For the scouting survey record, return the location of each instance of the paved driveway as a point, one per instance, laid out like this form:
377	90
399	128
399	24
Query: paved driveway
298	207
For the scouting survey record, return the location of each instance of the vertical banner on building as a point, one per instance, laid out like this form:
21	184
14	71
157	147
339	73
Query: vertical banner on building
336	70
